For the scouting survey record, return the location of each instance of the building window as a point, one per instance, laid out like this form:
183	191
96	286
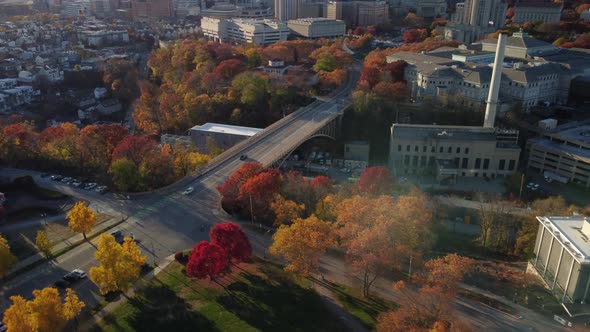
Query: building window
407	160
407	148
458	150
502	164
464	163
424	148
399	148
431	161
423	161
432	149
441	149
416	148
477	163
415	161
466	150
457	160
511	165
450	149
486	163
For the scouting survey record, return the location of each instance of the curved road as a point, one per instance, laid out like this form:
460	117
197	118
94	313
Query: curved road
165	223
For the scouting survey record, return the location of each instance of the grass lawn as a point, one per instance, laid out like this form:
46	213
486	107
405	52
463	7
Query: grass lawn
255	297
366	310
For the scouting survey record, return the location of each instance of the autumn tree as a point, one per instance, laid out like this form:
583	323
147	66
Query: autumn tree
228	69
134	148
375	180
302	243
415	35
430	306
7	259
206	260
119	265
285	210
157	169
96	144
230	189
232	239
259	190
81	219
45	312
43	244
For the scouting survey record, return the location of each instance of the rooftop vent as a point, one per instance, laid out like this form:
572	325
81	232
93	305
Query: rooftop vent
586	227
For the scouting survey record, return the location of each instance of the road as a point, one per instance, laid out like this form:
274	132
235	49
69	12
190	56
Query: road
165	222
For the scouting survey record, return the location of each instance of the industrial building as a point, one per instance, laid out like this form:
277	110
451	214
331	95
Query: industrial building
562	257
221	135
450	152
564	151
256	31
317	27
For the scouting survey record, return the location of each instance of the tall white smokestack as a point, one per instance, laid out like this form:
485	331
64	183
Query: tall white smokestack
492	103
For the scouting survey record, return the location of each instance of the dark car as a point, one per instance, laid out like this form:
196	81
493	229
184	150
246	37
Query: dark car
61	283
243	157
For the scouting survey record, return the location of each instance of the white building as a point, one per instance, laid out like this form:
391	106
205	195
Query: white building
259	32
102	38
75	8
18	96
474	19
562	257
431	8
223	136
317	27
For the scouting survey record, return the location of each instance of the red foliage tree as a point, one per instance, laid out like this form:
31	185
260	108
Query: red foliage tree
375	180
321	182
358	31
371	30
396	69
232	239
228	69
134	148
415	35
230	189
206	260
370	75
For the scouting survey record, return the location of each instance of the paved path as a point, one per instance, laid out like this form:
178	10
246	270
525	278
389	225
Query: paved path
336	308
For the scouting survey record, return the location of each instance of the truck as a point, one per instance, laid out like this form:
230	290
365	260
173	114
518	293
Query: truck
550	176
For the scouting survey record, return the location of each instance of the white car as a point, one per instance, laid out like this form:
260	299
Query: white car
530	185
188	191
535	187
76	183
90	186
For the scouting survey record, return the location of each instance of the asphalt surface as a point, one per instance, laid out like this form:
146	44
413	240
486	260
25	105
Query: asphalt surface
165	223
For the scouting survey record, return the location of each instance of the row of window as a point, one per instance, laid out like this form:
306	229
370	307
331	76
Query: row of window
424	161
441	149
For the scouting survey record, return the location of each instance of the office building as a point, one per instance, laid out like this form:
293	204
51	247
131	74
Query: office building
151	10
319	27
564	151
535	11
76	8
431	8
221	135
259	32
286	9
474	19
358	13
562	257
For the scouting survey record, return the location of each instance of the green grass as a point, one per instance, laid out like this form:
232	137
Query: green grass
365	309
254	297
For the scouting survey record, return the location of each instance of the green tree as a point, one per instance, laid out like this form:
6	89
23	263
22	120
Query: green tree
125	174
326	62
251	88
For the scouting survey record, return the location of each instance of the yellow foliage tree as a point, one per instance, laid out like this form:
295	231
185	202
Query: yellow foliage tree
43	243
119	264
302	243
46	312
286	210
81	218
7	259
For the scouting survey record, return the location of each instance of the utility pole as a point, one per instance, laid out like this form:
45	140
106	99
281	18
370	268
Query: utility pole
521	185
410	270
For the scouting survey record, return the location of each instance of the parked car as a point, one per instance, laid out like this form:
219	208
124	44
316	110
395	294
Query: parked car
101	189
76	183
117	233
188	191
2	327
243	157
67	179
56	178
74	276
90	186
62	283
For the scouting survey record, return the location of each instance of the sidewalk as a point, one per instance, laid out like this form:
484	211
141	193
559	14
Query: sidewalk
337	309
95	319
61	247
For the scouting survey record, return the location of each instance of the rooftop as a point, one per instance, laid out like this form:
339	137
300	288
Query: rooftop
580	133
568	231
227	129
519	39
452	133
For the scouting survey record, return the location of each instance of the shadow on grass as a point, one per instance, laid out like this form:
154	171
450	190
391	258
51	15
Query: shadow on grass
157	308
276	304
